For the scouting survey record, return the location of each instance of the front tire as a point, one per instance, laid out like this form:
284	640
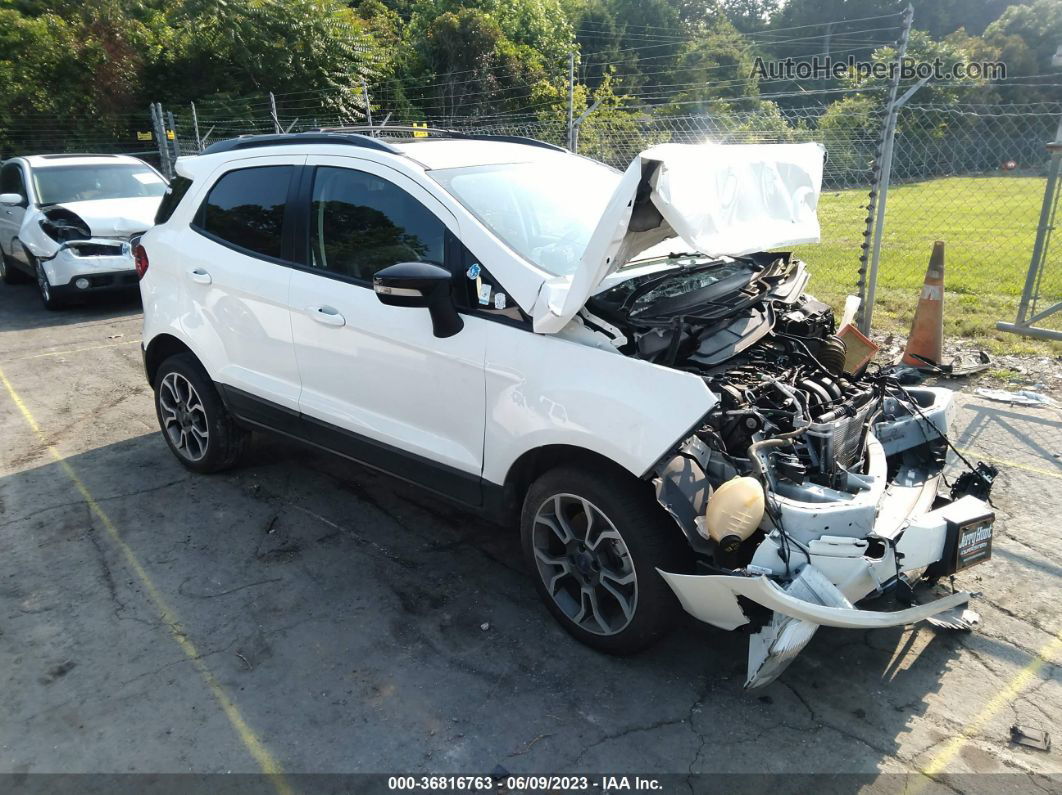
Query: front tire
593	541
195	423
44	287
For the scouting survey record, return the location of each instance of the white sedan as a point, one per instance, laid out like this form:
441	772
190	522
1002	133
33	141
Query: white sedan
66	221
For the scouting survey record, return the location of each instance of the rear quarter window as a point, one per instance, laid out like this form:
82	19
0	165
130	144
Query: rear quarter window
174	193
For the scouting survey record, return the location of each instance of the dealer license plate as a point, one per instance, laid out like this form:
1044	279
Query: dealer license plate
974	546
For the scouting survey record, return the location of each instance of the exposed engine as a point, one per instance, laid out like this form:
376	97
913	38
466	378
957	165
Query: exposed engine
767	351
789	422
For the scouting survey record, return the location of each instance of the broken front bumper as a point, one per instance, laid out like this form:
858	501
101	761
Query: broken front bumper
103	262
809	602
836	574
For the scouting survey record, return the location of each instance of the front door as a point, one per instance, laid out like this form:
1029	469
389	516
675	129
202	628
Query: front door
376	383
12	180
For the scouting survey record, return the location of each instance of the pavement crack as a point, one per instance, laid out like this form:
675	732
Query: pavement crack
181	590
620	734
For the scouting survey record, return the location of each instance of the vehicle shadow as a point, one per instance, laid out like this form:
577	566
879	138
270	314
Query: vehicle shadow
342	609
21	309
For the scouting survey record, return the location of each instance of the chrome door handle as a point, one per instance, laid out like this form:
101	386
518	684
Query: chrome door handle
327	315
199	275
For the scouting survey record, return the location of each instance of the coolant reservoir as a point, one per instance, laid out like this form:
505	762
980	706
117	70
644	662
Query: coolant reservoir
734	512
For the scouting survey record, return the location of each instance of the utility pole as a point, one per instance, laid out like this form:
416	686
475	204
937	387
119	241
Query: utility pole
273	113
868	274
826	48
571	100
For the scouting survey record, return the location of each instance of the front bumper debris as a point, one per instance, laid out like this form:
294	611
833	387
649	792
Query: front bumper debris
809	601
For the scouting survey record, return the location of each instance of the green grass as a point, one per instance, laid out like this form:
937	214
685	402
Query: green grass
988	225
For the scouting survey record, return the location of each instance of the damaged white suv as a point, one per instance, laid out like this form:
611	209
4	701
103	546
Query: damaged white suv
610	360
66	221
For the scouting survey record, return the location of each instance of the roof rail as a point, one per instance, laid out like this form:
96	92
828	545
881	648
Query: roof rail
66	155
444	133
288	139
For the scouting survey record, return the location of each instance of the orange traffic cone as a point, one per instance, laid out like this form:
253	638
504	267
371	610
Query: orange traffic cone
927	330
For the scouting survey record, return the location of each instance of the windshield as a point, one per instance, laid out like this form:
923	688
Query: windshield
59	184
545	211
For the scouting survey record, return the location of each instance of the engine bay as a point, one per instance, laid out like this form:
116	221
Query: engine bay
788	416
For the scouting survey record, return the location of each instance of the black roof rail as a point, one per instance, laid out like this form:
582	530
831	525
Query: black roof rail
445	133
288	139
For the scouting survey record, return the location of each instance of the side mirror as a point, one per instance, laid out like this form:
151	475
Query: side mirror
11	199
420	284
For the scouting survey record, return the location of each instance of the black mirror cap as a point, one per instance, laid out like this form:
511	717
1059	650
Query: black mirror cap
420	284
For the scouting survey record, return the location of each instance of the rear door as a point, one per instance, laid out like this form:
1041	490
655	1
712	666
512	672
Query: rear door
376	383
13	180
235	280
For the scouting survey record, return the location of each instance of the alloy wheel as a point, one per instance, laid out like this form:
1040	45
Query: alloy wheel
184	417
585	564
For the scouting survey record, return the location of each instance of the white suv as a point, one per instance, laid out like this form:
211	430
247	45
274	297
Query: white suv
608	360
66	221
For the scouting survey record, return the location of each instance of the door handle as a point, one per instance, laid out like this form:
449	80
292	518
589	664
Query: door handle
199	275
327	315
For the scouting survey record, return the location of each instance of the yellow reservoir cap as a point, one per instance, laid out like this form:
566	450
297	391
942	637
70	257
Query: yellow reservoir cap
734	511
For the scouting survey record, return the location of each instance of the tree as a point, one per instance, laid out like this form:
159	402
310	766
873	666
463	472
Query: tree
257	46
469	68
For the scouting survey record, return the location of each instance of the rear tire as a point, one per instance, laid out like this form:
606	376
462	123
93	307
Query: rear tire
9	272
195	423
598	575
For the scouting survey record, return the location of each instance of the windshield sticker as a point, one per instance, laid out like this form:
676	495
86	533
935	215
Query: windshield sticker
499	301
473	272
484	294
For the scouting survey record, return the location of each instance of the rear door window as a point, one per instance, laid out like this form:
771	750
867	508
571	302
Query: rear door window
245	209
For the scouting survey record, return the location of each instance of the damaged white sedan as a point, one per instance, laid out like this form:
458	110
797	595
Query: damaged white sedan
616	361
66	221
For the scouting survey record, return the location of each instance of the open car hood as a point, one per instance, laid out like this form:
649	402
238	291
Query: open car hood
720	199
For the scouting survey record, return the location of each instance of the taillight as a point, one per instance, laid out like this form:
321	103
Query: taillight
140	258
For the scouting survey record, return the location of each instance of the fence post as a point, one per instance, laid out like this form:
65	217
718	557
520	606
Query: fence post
368	107
573	139
868	277
159	128
195	127
173	128
273	113
1030	293
571	101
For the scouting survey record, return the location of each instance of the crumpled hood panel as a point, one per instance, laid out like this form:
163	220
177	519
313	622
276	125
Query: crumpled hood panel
720	199
115	217
106	218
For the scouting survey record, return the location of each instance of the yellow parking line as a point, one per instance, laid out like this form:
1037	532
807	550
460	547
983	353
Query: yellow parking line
268	764
1021	680
73	350
1035	470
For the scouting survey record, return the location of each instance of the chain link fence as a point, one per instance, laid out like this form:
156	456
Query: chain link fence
970	175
